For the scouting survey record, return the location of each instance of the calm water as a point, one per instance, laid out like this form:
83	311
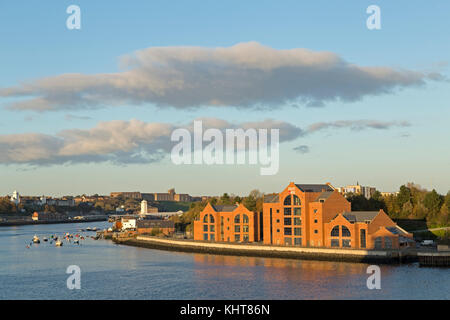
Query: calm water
110	271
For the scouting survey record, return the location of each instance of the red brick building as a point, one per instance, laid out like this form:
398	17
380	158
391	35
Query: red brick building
227	223
317	215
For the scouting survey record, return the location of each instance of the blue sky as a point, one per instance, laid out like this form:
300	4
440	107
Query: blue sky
414	36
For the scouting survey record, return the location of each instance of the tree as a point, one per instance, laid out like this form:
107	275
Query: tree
433	202
403	196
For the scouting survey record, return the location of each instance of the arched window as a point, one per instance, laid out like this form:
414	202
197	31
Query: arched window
387	243
205	219
335	232
211	219
345	232
378	243
296	200
245	218
237	219
287	200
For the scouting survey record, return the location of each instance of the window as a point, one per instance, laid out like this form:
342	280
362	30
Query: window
211	228
335	242
345	232
297	231
245	237
296	200
297	211
316	231
287	211
288	241
245	229
346	243
315	210
287	231
237	237
287	221
237	229
297	222
212	237
205	218
315	220
278	230
278	220
287	200
211	219
378	243
298	241
205	228
362	237
278	210
237	219
387	243
205	236
245	218
335	232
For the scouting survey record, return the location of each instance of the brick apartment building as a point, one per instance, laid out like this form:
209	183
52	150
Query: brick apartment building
227	223
312	215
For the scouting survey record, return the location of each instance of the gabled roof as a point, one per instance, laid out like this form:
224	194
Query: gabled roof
324	196
224	208
360	216
271	198
314	187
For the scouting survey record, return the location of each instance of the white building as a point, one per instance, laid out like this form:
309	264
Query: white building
128	223
144	207
15	197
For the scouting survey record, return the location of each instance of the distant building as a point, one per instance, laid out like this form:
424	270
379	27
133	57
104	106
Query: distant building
132	195
166	227
358	189
388	194
143	207
128	223
15	198
48	216
61	202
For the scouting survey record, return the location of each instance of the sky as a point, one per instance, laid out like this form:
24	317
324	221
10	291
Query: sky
91	110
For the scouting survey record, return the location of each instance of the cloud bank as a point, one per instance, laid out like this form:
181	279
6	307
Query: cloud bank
127	142
246	75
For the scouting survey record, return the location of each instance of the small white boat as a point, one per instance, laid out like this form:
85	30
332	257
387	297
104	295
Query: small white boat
45	239
59	243
36	239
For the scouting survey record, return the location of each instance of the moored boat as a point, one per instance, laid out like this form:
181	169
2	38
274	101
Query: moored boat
59	243
36	239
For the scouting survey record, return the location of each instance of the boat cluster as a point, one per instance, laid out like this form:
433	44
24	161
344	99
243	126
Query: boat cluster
70	238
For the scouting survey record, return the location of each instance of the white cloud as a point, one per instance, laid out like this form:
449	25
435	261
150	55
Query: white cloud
246	75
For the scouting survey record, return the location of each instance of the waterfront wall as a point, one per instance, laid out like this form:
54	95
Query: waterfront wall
258	250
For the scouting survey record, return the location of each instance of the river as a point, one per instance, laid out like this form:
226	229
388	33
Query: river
110	271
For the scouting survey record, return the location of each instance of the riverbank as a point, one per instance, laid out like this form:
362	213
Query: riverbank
258	250
28	222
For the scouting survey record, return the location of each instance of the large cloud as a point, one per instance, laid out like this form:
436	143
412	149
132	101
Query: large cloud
135	141
244	75
119	142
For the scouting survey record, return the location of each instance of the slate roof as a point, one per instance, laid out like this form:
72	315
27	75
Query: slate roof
324	195
224	208
314	187
360	216
271	198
